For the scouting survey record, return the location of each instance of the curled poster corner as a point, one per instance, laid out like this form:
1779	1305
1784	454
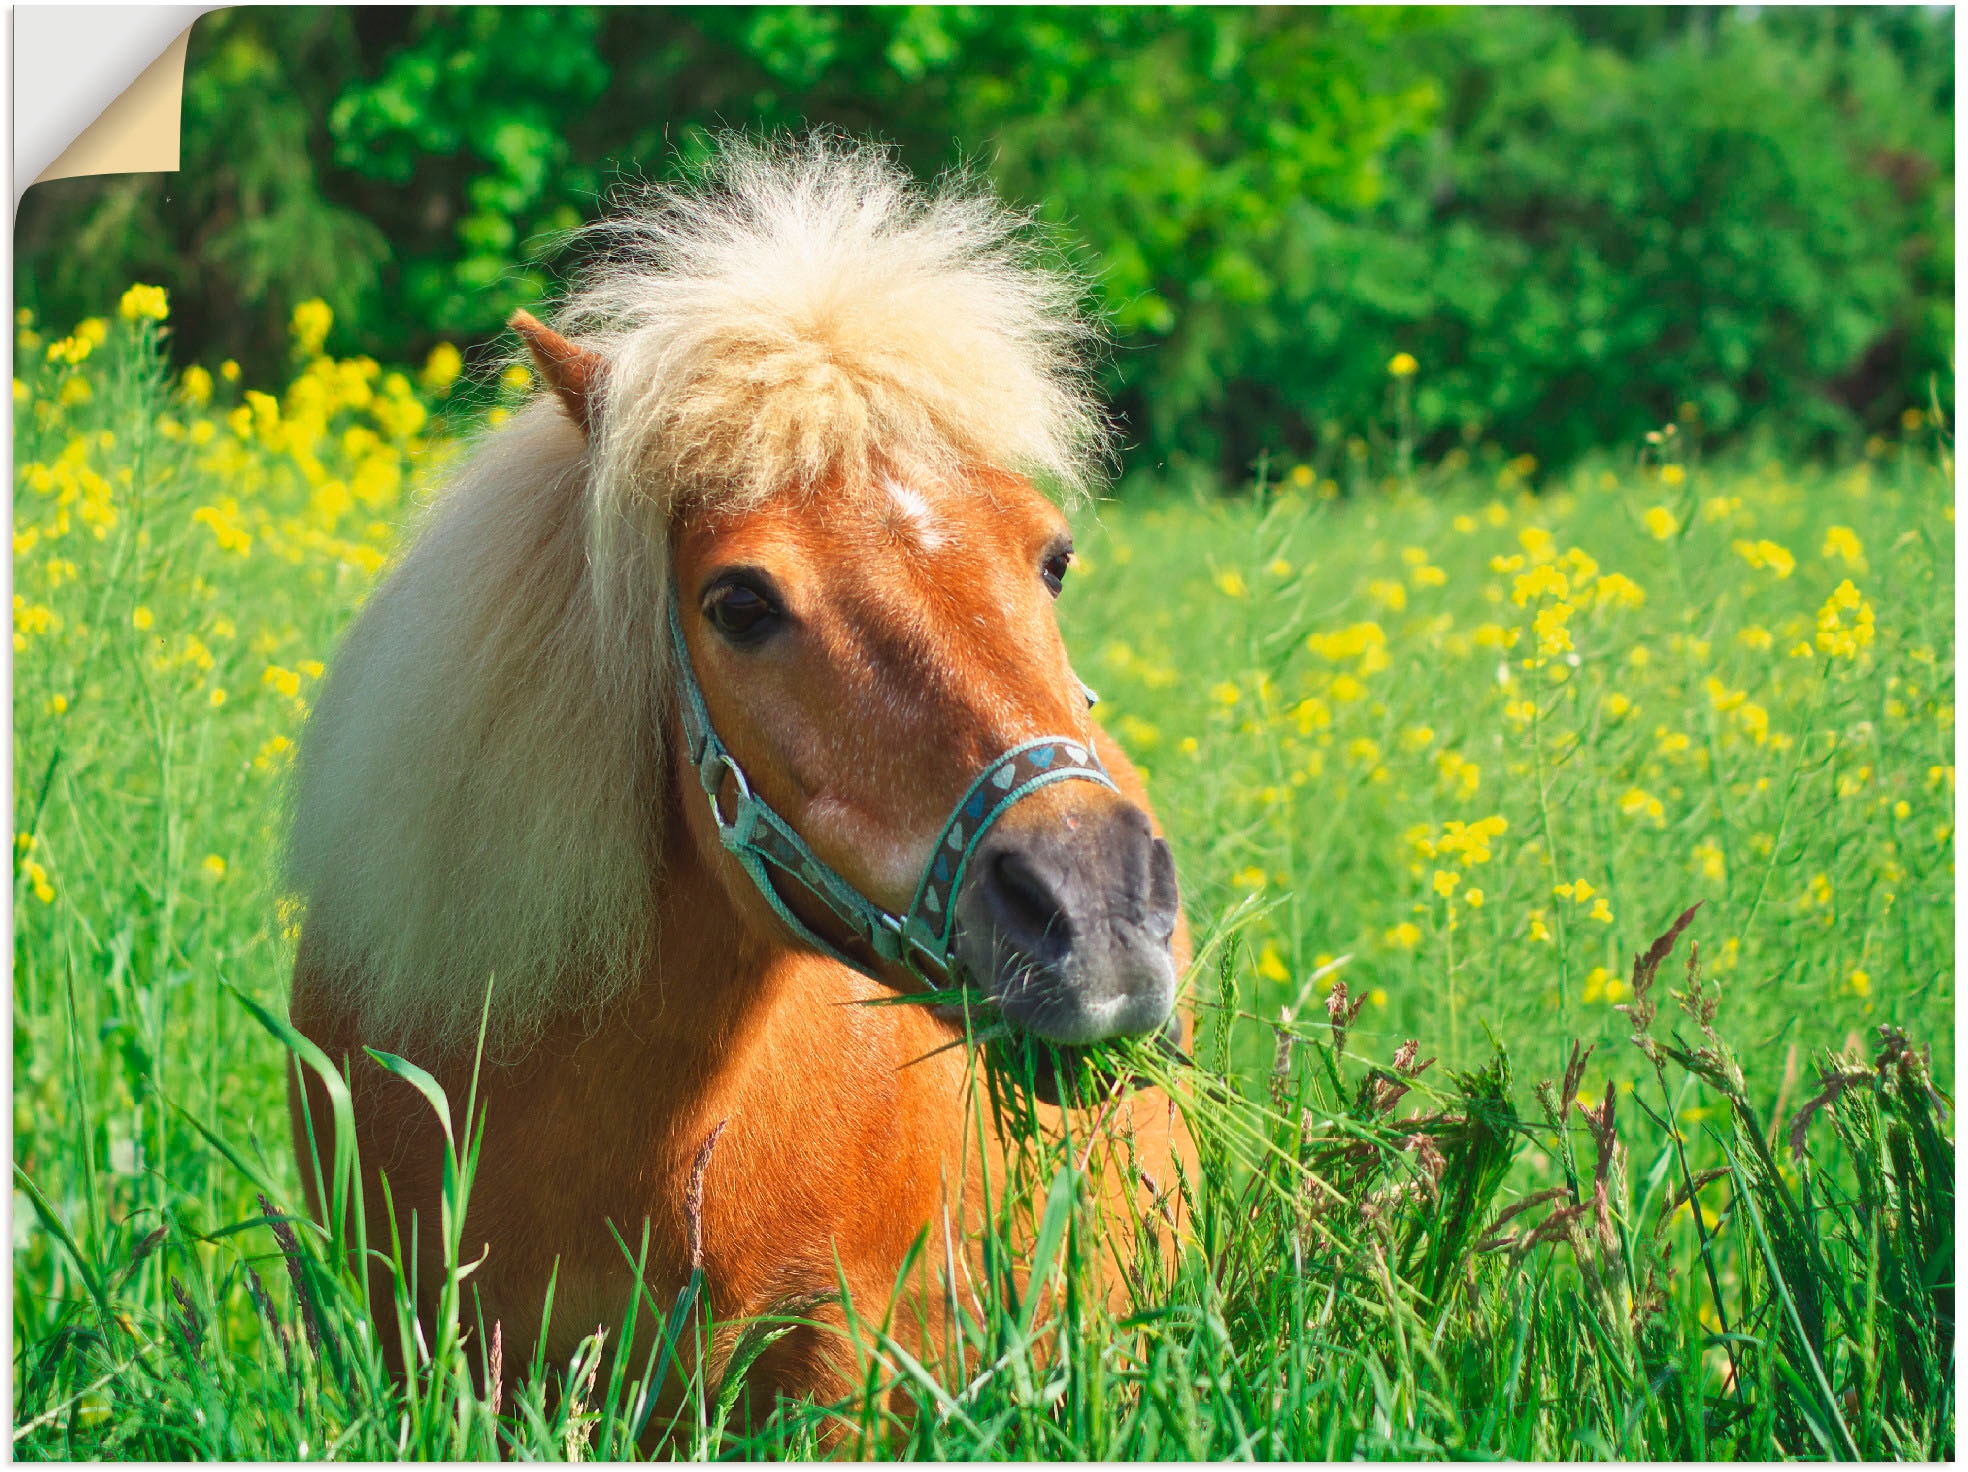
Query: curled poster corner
98	56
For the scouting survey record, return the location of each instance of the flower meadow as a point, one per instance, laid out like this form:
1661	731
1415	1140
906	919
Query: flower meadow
1623	797
1485	743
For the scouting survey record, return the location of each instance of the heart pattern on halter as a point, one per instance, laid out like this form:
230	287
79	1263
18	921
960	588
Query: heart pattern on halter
1013	776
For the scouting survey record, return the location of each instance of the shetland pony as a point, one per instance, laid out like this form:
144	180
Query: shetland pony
786	458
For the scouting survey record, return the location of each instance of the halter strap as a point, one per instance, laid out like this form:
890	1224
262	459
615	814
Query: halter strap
763	842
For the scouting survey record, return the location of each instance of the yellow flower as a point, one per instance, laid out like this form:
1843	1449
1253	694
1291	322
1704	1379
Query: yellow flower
218	696
1446	881
214	866
283	680
1598	983
57	704
142	303
309	325
1271	966
1660	523
1860	982
1843	543
229	371
1709	854
1225	693
1231	584
1405	936
1249	877
196	385
1553	637
1767	554
1837	638
1473	898
270	753
1600	911
1537	583
1673	475
1402	365
141	617
516	376
1618	591
441	368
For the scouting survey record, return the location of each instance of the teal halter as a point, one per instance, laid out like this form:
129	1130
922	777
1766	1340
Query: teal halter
763	843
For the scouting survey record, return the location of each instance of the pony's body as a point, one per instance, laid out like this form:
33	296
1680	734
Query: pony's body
823	389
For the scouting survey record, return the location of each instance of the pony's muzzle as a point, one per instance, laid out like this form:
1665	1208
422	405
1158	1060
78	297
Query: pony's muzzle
1065	918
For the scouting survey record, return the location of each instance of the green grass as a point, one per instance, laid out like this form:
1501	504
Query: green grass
1493	1255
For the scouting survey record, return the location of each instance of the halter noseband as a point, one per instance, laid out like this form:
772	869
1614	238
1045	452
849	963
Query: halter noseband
919	941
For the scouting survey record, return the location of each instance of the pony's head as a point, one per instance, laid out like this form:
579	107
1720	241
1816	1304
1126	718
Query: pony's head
811	402
865	657
866	599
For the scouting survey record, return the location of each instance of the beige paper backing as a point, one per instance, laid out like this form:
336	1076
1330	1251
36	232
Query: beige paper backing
138	132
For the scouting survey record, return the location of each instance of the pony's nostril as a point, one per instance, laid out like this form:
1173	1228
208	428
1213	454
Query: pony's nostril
1027	910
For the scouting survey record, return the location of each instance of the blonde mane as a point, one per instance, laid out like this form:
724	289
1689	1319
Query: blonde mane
480	790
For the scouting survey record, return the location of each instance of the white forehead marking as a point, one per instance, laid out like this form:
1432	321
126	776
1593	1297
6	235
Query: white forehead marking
922	520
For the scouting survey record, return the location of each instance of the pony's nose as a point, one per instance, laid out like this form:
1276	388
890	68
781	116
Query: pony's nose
1066	923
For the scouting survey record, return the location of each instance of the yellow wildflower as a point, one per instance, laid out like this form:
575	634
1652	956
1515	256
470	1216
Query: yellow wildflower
144	303
1843	543
310	324
1767	554
1840	639
441	368
1402	365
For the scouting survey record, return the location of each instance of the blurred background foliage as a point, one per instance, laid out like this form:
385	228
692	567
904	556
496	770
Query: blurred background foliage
1582	222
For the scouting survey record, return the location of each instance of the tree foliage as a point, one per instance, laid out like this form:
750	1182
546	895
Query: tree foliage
1577	221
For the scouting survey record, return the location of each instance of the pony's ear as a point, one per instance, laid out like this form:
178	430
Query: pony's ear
572	372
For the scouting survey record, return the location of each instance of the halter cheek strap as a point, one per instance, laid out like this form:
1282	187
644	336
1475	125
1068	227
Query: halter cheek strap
765	844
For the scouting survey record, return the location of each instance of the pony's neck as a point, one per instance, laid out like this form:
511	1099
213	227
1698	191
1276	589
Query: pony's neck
712	969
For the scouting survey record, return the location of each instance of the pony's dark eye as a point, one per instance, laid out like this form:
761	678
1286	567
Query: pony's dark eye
1053	570
741	611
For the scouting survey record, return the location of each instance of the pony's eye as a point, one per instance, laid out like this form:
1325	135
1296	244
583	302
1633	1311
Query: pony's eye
1053	570
740	612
